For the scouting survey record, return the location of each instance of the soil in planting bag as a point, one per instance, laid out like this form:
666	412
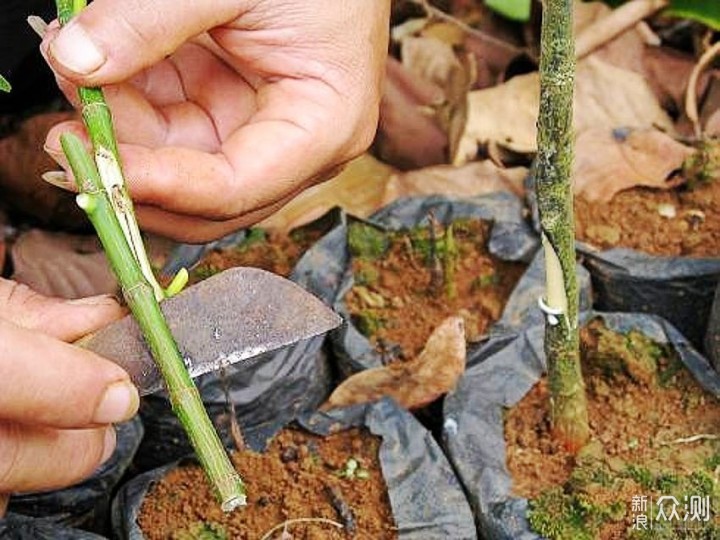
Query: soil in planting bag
267	391
712	338
85	505
504	370
511	239
426	498
18	527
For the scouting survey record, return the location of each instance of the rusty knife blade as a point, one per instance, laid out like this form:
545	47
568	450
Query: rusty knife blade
230	317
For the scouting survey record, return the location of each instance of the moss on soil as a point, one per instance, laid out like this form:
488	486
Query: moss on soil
645	410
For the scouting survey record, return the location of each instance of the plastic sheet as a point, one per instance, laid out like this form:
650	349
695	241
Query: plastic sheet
425	495
712	338
17	527
504	370
679	289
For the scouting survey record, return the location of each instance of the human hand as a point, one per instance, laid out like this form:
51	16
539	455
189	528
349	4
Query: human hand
57	401
256	101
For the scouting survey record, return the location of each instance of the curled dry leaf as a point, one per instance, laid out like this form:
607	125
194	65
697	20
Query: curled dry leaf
359	189
437	62
472	179
710	110
413	384
605	97
409	136
63	265
609	161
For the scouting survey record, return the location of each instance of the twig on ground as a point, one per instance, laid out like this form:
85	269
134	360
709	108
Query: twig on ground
342	508
691	105
615	23
235	431
439	14
296	521
693	438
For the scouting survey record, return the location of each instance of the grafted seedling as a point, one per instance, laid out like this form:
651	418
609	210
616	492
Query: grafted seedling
104	197
555	205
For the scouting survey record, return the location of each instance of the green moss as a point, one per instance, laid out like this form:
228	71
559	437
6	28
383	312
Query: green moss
589	472
641	475
632	354
366	273
204	271
368	322
703	166
559	516
450	256
713	462
254	236
366	241
202	531
487	280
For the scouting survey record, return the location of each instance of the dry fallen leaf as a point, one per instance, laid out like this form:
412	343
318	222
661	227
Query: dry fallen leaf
359	189
607	161
413	384
409	136
710	112
437	62
474	178
63	265
605	97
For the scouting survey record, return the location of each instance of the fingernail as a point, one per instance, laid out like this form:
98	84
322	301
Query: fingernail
55	153
39	26
57	178
109	444
74	49
119	403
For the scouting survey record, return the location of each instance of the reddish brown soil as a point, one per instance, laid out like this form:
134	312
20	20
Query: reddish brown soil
632	219
277	252
631	423
291	480
412	307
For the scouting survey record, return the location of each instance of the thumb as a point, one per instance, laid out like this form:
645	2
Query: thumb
112	40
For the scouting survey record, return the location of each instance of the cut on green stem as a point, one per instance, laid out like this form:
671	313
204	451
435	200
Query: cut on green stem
555	205
104	198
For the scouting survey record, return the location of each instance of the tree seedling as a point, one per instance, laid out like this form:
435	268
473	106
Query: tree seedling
104	197
555	137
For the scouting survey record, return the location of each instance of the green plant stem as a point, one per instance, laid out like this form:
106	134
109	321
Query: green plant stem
105	209
555	204
98	121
